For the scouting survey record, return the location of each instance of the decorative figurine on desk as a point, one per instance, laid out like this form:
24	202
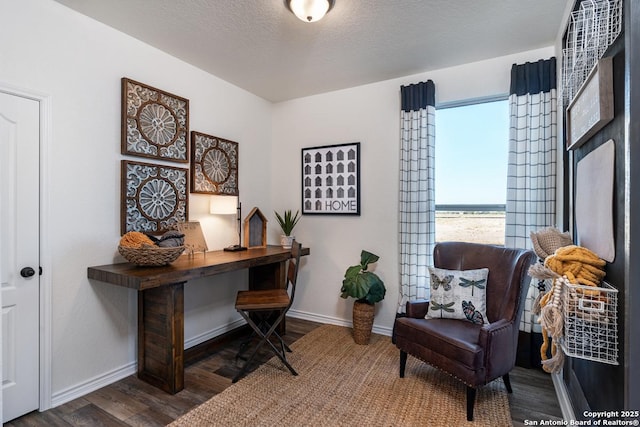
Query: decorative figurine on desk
193	237
255	229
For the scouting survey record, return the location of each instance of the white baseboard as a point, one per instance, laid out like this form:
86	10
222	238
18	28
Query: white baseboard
206	336
93	384
563	397
382	330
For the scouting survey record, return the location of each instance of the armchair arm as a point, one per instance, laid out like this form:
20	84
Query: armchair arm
417	309
497	339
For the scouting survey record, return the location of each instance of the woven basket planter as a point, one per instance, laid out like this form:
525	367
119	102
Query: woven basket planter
151	256
362	322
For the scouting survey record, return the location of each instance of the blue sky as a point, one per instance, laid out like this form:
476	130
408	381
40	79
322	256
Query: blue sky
472	153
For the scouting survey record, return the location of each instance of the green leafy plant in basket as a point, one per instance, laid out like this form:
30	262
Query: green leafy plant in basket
367	288
361	284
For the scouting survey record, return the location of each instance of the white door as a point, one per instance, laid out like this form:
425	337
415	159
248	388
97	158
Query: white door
19	254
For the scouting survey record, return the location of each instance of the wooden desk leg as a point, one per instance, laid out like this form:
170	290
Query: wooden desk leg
269	276
161	337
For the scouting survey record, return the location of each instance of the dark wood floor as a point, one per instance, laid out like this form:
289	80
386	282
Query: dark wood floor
131	402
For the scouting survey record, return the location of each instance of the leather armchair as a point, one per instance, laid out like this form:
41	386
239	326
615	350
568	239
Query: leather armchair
474	354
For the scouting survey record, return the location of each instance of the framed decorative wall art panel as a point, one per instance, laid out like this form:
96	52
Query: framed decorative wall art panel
331	179
214	165
155	123
155	198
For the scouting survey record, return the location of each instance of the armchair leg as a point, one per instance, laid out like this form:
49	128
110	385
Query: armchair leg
507	383
403	362
471	400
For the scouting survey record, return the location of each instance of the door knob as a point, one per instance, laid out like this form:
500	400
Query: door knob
27	272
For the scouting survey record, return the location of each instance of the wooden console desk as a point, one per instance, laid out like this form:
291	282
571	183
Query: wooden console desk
161	301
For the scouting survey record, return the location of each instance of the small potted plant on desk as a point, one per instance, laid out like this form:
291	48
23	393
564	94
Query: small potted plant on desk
367	288
287	222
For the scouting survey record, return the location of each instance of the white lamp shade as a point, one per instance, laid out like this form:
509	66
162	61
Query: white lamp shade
309	10
223	205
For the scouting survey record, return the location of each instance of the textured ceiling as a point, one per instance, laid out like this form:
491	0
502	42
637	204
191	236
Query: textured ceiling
263	48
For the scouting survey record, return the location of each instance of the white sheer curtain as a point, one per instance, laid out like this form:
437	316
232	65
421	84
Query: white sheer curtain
417	200
531	181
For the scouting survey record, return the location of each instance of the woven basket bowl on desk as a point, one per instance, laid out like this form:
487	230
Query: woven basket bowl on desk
151	256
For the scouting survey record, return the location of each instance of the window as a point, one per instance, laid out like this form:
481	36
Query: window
471	172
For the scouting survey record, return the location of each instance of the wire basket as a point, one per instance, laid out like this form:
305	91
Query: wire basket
590	322
151	256
591	30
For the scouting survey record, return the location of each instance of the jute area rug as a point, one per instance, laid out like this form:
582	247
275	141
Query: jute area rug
340	383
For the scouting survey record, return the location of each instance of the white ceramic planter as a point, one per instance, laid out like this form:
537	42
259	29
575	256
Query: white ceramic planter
286	241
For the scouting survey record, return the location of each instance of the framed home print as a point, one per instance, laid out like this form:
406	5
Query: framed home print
154	124
155	198
214	165
331	179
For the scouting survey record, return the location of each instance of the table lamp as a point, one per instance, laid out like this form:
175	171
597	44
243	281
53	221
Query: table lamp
229	205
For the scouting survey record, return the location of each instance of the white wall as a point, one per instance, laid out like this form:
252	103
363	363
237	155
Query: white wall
369	114
79	63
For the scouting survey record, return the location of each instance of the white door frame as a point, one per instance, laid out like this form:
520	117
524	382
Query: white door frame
44	101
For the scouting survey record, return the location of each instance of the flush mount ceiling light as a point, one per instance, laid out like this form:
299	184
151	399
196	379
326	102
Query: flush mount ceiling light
310	10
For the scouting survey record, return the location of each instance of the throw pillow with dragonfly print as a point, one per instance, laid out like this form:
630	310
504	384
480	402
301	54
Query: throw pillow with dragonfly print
458	294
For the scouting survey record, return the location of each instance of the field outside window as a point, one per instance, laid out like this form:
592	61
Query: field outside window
471	172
